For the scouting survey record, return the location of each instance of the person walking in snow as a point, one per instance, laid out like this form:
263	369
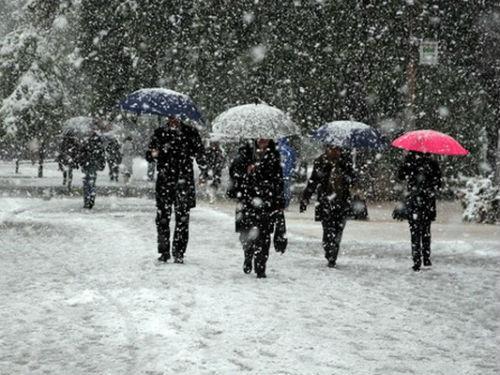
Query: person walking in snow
423	177
127	159
257	183
92	159
113	157
331	179
215	164
174	147
67	156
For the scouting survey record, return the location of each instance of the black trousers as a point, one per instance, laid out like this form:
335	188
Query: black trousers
256	243
181	231
332	235
420	232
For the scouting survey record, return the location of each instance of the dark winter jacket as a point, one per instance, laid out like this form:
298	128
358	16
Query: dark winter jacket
334	197
177	150
423	177
260	192
69	151
113	152
92	158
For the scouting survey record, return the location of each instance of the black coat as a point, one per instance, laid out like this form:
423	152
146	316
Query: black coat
333	202
69	151
260	193
423	177
113	152
177	150
92	157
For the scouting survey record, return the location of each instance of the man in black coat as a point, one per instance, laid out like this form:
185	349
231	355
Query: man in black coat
257	183
331	179
92	159
174	147
423	177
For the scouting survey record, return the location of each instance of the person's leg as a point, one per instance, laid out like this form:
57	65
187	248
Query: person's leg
416	237
86	190
65	174
70	178
332	235
262	244
181	233
151	171
338	231
92	188
163	213
426	242
248	250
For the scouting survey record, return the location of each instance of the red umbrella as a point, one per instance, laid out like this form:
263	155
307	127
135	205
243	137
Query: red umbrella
430	141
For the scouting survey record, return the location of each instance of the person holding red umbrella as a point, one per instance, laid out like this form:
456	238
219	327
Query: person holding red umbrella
423	177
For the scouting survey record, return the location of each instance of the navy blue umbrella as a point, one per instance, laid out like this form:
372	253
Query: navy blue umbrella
162	102
350	135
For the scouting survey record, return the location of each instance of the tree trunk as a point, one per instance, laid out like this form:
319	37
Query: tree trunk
40	160
497	161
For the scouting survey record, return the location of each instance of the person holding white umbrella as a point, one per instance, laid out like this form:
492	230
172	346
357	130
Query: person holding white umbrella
256	176
257	184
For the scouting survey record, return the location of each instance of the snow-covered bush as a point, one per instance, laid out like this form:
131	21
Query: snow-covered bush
481	201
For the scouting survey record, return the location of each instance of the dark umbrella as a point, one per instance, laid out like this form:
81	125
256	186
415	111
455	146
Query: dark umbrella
350	135
162	102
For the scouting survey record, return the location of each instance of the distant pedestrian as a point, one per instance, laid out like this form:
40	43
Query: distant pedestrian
67	156
257	184
423	177
92	159
331	179
174	147
215	164
113	157
127	159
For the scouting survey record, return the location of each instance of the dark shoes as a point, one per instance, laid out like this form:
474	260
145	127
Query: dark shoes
261	275
164	257
247	265
427	262
416	267
331	264
179	260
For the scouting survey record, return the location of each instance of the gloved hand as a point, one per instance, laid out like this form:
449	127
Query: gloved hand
303	206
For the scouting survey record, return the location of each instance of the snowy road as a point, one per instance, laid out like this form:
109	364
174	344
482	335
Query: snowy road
81	293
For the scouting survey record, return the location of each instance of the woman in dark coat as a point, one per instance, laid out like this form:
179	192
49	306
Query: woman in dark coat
257	183
331	179
423	177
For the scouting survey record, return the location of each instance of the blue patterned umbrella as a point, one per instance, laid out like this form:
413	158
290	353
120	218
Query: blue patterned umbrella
350	135
162	102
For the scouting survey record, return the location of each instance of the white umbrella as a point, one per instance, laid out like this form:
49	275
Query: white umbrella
254	121
78	126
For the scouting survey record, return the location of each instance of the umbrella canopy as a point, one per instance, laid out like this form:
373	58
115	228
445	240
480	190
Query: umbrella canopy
349	134
430	141
162	102
254	121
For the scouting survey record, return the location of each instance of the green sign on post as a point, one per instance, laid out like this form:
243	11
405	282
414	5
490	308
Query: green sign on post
429	52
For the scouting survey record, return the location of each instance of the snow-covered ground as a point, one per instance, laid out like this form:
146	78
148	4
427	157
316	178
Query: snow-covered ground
81	293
